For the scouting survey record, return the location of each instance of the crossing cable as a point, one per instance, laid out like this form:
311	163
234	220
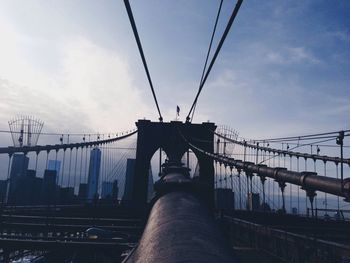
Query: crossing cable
138	41
306	180
227	29
291	153
293	138
208	53
116	167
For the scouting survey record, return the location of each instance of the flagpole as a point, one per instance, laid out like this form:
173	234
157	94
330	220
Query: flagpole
177	112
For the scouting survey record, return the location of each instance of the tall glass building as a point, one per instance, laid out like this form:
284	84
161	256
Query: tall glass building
94	173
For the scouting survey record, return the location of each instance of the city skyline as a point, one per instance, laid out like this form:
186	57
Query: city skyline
30	186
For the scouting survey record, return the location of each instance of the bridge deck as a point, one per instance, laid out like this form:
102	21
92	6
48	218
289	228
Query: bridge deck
291	238
33	229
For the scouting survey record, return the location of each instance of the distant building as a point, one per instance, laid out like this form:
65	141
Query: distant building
3	187
253	201
66	195
224	198
49	189
30	189
31	173
36	191
19	166
107	189
115	190
26	195
82	194
54	165
129	179
94	172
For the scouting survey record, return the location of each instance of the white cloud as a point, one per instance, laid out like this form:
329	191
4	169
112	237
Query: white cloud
259	106
291	55
12	63
100	82
92	87
300	54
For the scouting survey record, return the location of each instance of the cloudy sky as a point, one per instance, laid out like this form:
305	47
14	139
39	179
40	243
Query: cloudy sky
283	70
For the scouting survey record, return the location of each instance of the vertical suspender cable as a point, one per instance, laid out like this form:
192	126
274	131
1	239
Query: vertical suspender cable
75	169
81	166
63	163
8	179
290	187
70	166
298	186
306	208
325	194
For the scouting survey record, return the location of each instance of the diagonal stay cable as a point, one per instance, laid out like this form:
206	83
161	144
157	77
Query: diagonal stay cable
224	35
138	41
208	53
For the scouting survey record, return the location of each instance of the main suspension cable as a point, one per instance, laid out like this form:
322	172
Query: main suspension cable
227	29
138	41
208	53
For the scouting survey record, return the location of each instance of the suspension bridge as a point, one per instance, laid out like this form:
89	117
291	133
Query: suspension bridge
175	191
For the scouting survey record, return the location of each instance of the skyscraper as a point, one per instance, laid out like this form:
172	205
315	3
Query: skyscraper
94	172
19	168
19	165
54	165
82	193
129	179
49	189
115	189
107	189
3	187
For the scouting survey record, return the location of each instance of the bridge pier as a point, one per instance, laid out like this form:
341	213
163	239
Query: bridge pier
171	137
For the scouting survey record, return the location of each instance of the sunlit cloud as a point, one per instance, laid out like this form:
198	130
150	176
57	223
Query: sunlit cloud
92	88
